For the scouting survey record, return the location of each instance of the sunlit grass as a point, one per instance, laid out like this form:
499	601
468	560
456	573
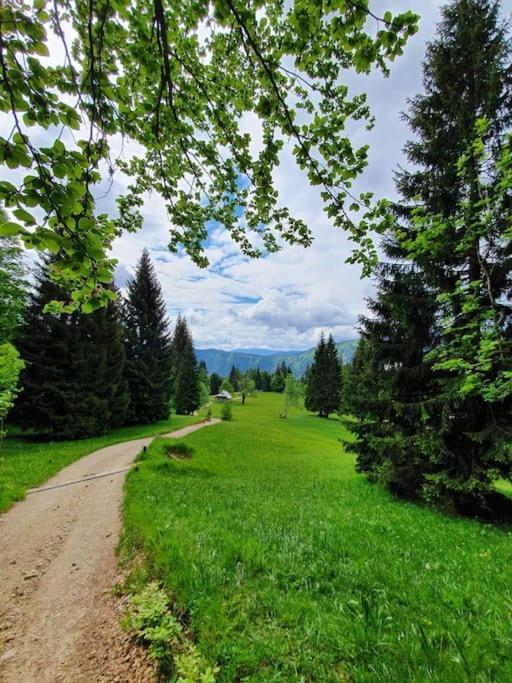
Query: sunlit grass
292	567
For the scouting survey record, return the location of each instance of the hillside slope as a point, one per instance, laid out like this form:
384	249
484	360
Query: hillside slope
290	566
221	362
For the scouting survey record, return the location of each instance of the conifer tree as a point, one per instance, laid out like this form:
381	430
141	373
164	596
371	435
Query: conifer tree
73	382
185	371
466	76
105	330
279	377
465	257
323	391
266	380
215	382
235	377
257	379
416	432
148	346
391	380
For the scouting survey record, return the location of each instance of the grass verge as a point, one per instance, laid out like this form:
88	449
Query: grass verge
291	567
27	462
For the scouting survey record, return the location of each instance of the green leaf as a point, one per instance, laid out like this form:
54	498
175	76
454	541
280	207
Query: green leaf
24	216
41	49
9	229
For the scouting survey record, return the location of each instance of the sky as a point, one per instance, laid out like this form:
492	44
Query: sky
285	300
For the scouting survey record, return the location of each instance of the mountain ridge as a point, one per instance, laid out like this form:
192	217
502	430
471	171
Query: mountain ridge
221	362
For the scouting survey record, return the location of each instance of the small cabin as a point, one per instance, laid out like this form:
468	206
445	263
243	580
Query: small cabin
223	396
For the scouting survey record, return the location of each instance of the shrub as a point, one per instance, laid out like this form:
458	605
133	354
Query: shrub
150	618
152	622
226	413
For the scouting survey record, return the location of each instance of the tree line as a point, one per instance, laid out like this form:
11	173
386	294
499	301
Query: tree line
431	380
320	387
263	380
85	374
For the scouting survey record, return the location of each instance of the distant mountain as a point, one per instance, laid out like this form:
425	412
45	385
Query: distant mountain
221	362
265	352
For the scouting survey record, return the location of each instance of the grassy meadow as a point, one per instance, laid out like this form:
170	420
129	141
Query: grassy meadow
26	461
291	567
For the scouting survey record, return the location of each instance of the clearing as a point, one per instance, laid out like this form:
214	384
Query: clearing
292	567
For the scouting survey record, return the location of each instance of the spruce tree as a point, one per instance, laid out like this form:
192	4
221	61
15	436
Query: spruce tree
215	382
323	391
278	379
185	371
257	379
266	380
105	331
235	377
416	432
148	346
73	384
391	381
466	76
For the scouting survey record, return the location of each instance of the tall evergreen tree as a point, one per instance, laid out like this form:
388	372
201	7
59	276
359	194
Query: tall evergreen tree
186	395
266	380
278	380
235	377
422	437
73	384
466	75
391	381
257	379
215	382
323	391
104	330
148	346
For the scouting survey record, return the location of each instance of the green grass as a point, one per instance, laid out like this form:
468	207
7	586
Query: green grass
291	567
26	462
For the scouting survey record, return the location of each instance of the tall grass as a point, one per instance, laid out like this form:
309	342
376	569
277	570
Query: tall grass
291	567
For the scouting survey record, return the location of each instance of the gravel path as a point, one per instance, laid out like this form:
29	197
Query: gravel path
59	621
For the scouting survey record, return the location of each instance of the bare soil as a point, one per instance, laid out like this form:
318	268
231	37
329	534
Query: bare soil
59	619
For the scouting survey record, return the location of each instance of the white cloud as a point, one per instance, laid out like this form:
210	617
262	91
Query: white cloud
286	299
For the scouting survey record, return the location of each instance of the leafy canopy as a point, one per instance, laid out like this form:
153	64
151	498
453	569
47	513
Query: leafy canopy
476	312
181	80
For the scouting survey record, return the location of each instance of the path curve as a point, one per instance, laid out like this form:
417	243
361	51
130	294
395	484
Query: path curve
59	621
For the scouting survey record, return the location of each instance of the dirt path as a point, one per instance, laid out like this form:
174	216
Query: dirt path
58	618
